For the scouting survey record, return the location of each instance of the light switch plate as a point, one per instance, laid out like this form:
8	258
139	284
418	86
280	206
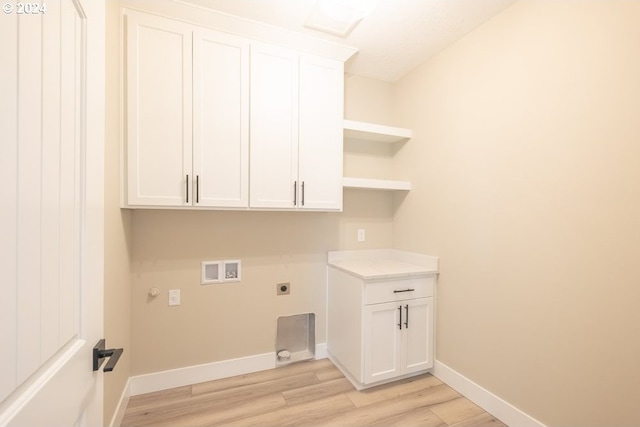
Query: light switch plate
361	235
174	297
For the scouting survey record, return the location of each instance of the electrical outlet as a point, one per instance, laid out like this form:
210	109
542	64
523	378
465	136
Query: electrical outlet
174	297
361	235
283	288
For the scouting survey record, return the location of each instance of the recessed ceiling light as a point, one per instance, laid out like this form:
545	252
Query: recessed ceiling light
338	17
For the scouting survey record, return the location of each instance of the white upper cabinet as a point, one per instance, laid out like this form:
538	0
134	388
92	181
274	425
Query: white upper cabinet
320	130
274	127
215	120
296	130
158	72
188	115
220	119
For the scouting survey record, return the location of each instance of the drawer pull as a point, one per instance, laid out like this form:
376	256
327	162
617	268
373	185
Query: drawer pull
404	290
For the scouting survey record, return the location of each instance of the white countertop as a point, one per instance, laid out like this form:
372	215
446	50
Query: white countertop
384	264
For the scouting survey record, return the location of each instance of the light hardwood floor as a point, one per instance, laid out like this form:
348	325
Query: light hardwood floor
311	393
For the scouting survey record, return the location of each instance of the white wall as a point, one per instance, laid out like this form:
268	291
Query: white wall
526	167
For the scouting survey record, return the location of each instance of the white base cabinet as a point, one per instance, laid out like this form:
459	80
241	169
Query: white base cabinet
397	339
380	327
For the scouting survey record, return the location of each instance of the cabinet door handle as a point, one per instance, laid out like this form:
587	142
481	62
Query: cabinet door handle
295	193
400	324
197	188
406	319
187	181
404	290
302	193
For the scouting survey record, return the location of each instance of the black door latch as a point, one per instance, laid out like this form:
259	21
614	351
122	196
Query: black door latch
99	354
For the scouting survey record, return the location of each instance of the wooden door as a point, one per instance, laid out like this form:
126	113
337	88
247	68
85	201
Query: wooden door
220	119
159	111
274	128
51	251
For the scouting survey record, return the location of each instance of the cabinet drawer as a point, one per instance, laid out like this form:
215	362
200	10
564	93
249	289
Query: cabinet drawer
397	290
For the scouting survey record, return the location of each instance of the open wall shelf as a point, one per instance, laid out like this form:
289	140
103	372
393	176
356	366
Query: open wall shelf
375	184
373	132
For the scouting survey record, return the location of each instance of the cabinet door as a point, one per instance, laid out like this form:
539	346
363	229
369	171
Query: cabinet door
158	68
418	335
321	139
274	127
382	341
220	119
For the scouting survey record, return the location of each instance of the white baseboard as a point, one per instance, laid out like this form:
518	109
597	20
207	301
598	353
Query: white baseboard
164	380
321	351
118	415
496	406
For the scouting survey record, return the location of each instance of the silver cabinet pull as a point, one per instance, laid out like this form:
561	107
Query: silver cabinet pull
400	309
406	320
187	181
295	193
302	193
197	188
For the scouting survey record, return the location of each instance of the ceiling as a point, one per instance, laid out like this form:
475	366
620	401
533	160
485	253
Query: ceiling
394	38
